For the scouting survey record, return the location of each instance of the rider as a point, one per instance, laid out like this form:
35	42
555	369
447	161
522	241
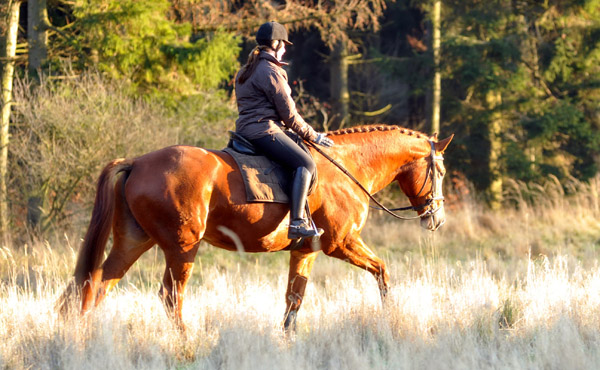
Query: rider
265	106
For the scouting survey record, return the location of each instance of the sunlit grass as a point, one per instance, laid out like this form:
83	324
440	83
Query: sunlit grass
448	316
517	288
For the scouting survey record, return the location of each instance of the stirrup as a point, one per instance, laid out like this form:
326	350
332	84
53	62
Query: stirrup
300	228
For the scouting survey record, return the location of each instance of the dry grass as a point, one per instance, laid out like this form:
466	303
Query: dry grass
515	289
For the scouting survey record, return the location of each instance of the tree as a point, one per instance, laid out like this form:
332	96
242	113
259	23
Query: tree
8	29
143	43
493	101
434	91
436	20
37	34
338	85
522	89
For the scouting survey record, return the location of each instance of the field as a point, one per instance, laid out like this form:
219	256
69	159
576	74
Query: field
509	289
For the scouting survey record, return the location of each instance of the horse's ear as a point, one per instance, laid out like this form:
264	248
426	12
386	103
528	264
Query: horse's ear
440	146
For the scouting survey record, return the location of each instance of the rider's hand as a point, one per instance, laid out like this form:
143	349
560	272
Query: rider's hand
322	139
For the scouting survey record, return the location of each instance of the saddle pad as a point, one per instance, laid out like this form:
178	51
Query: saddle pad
264	180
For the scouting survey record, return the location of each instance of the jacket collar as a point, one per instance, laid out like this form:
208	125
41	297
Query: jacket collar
272	59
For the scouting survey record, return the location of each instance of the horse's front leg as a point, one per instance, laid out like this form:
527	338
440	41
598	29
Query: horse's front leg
301	264
356	252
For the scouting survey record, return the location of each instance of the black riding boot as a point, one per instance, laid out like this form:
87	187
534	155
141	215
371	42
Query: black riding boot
299	225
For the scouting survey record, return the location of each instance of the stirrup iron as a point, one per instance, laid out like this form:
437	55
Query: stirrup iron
304	227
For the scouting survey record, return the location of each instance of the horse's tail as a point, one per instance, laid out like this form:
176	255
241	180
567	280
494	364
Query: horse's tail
96	237
94	243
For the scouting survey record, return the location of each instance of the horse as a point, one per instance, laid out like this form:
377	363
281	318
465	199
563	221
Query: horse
178	196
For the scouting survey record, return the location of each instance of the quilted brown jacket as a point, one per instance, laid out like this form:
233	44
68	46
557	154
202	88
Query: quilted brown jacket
265	103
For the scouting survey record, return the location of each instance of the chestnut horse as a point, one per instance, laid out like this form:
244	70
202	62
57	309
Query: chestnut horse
178	196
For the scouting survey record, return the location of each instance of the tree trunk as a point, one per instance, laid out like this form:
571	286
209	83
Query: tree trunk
37	34
493	100
10	27
529	55
340	97
437	78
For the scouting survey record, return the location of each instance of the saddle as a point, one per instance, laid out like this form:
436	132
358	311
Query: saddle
264	180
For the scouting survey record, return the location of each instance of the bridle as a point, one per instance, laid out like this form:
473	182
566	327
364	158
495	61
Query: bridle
431	172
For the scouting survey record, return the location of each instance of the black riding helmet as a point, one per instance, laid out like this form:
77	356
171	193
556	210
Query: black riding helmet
271	31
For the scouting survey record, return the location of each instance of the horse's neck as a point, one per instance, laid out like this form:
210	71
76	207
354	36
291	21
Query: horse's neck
376	157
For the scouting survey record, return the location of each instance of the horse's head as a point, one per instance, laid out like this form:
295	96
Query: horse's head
421	181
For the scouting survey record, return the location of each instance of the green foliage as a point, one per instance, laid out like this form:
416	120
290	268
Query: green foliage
561	67
137	41
566	137
543	61
207	63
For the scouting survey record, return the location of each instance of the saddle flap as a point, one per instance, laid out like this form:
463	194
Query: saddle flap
264	181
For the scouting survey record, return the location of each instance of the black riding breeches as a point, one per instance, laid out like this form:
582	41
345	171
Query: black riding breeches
284	151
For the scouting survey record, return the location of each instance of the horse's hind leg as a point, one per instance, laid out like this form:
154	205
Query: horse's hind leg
129	243
301	264
356	252
180	263
123	254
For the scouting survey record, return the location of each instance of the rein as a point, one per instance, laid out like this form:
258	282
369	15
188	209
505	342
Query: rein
431	169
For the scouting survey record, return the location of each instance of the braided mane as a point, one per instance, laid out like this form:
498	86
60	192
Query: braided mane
373	128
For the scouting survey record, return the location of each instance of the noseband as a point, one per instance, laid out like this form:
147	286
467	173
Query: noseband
431	171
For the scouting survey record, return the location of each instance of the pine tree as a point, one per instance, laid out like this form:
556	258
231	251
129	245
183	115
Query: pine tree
541	63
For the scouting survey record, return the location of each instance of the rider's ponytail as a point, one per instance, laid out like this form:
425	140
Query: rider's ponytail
247	70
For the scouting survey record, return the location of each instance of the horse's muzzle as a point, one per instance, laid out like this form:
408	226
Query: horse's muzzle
434	221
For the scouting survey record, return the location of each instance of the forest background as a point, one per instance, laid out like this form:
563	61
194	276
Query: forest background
519	85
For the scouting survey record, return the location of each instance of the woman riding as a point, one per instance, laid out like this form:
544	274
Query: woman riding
265	106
